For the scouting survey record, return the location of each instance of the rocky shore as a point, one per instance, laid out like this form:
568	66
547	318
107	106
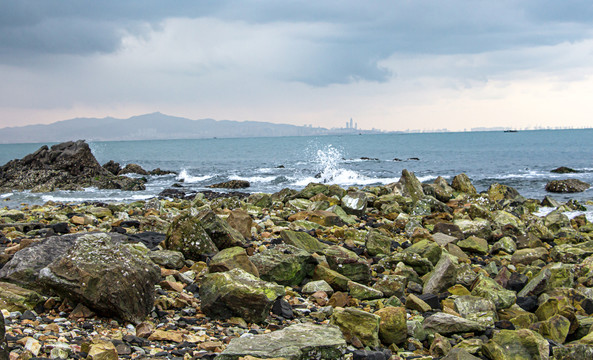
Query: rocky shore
402	271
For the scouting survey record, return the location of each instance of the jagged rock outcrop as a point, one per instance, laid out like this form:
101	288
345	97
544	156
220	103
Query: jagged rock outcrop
65	166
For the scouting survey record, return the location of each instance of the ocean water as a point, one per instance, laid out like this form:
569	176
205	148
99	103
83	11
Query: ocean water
522	160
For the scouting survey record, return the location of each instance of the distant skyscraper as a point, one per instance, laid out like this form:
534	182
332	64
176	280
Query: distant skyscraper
351	123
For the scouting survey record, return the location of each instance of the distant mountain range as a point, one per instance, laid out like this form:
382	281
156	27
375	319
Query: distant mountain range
155	126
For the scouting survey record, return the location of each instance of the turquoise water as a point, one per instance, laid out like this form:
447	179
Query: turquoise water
522	160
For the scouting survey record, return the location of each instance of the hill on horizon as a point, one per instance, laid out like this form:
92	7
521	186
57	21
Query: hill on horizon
155	126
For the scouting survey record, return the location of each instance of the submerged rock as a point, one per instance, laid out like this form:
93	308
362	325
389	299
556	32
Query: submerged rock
233	184
567	186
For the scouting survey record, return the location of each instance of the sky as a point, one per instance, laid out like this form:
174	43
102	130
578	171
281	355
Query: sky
388	64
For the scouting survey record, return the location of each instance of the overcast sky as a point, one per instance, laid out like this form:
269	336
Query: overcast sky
392	65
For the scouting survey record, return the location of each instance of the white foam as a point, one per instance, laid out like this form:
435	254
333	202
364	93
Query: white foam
254	179
4	196
426	178
544	211
115	198
183	175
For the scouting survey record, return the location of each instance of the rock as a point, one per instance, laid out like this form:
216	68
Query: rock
4	353
506	244
102	350
355	203
376	243
112	167
498	192
442	277
537	284
413	302
474	244
164	335
459	354
66	166
362	292
440	346
477	309
302	240
463	184
321	217
284	264
443	239
555	328
440	190
167	258
347	263
391	285
573	352
337	281
479	227
232	258
241	221
108	277
221	233
427	249
314	286
446	324
392	326
410	186
187	235
295	342
567	186
357	323
517	344
415	261
487	288
238	293
15	298
233	184
133	169
527	256
564	170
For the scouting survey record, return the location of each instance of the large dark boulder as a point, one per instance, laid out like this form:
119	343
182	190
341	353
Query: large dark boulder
564	170
233	184
65	166
567	186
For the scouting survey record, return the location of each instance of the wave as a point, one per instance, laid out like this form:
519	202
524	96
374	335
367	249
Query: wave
254	179
4	196
543	211
187	178
116	198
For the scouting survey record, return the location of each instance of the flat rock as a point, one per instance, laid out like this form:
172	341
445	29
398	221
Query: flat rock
445	324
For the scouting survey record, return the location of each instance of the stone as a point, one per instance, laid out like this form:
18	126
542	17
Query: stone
295	342
106	276
413	302
440	346
16	298
357	323
459	354
167	258
463	184
284	264
221	233
567	186
477	309
302	240
474	244
164	335
393	328
391	285
446	324
102	350
573	352
337	281
238	293
443	239
362	292
415	261
478	227
442	277
487	288
320	217
498	192
188	236
232	184
527	256
133	169
232	258
517	345
347	263
555	328
355	203
427	249
376	243
241	221
314	286
4	351
506	244
410	186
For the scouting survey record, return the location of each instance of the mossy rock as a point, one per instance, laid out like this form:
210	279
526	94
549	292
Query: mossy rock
357	323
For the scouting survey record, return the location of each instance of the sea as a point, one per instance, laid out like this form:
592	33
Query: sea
522	159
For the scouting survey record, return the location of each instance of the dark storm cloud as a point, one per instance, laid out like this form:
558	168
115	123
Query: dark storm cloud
367	32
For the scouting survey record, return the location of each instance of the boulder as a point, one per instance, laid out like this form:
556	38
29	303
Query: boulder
65	166
337	281
357	323
442	277
355	203
4	352
232	258
108	277
296	342
376	243
463	184
112	167
474	244
133	169
16	298
347	263
314	286
487	288
564	170
167	258
393	328
517	345
363	292
284	264
187	235
498	192
302	240
427	249
567	186
221	233
321	217
232	184
409	186
241	221
238	293
459	354
446	324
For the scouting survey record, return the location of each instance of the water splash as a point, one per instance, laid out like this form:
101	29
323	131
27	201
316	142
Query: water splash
187	178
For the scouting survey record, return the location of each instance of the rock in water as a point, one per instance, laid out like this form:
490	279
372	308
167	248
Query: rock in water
296	342
564	170
65	166
108	277
238	293
567	186
233	184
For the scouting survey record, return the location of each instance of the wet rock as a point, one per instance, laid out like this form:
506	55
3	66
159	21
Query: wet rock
187	235
567	186
355	203
392	326
347	263
15	298
284	264
108	277
442	277
463	184
233	184
113	167
357	323
65	166
296	342
133	169
232	258
241	221
517	344
167	258
238	293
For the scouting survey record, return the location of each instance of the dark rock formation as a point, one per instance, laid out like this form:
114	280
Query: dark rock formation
564	170
133	169
233	184
65	166
567	186
112	166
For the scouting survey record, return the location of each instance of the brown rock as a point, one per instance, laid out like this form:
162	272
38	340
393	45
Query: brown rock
241	221
163	335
